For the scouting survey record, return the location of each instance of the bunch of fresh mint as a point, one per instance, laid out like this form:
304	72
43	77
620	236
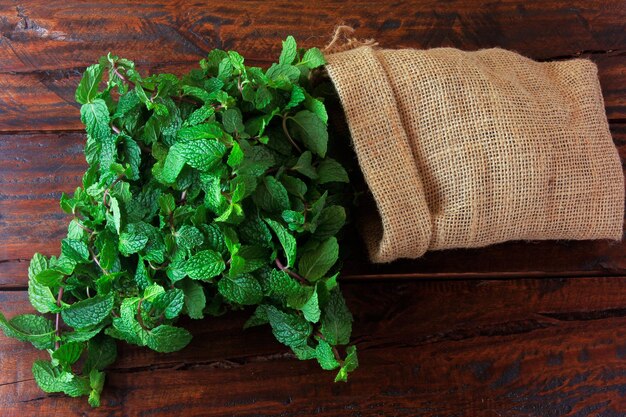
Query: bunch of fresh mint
203	194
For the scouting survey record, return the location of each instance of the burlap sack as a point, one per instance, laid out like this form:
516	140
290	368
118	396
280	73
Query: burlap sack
466	149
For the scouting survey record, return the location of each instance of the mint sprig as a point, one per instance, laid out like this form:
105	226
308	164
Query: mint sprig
205	193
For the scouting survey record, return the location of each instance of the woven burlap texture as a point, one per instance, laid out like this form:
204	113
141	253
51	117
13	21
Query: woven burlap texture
467	149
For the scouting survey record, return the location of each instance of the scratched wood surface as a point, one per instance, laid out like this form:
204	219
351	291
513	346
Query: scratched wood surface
517	329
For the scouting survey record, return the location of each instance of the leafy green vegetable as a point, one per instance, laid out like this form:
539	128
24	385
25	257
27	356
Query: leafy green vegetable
205	193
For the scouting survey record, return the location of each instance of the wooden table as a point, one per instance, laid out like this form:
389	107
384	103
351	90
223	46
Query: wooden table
518	329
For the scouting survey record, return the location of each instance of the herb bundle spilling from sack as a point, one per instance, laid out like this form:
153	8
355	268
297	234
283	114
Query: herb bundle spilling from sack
216	191
204	194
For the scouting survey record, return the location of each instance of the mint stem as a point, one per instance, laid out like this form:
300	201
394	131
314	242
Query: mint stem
139	318
95	259
288	135
57	328
106	192
282	267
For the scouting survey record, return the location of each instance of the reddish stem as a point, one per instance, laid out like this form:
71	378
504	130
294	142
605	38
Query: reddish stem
288	135
106	192
282	267
139	318
57	327
95	259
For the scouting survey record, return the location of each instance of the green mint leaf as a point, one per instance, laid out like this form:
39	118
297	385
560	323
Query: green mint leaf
304	352
200	115
95	117
330	221
150	292
174	163
330	170
297	97
289	329
294	185
325	356
37	264
199	93
170	302
257	160
126	327
243	289
96	383
51	379
195	300
288	54
236	61
235	157
201	154
287	241
205	265
166	338
315	263
132	241
117	214
255	257
313	58
316	211
294	219
189	237
101	352
304	166
203	131
350	364
271	195
311	130
68	353
262	98
40	295
29	328
81	335
88	312
283	75
254	231
311	309
132	156
87	88
287	290
232	121
316	106
336	319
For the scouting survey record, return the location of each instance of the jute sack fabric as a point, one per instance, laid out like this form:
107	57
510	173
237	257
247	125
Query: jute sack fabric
467	149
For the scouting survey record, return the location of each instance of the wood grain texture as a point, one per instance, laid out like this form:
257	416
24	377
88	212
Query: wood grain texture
64	35
549	347
428	347
46	44
35	169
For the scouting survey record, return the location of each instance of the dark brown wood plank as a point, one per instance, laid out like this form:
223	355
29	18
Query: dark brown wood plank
542	347
45	45
36	168
54	35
